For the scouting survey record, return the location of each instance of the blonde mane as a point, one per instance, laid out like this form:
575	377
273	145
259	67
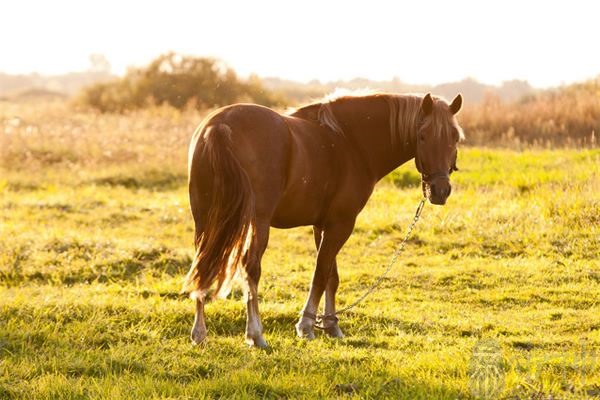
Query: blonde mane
405	111
404	117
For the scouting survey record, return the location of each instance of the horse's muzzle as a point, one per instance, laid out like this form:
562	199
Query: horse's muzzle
437	190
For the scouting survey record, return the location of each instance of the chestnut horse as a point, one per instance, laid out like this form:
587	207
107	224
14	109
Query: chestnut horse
251	168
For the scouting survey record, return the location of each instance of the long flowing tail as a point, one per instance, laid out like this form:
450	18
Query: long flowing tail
228	231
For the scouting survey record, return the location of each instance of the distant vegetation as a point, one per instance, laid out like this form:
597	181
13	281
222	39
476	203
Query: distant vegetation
474	91
510	115
36	85
180	82
204	83
567	116
288	91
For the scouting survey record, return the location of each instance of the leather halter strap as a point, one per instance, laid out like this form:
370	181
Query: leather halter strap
429	177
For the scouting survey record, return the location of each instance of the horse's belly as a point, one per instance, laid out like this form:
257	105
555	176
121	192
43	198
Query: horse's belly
299	207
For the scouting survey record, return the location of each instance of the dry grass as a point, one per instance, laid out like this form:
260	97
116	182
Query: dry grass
566	117
52	133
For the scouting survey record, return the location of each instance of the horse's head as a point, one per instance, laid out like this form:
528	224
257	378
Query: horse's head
437	138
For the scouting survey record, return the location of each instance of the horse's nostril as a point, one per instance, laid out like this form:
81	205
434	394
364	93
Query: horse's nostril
438	190
433	187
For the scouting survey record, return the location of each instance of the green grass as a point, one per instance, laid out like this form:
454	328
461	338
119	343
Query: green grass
92	259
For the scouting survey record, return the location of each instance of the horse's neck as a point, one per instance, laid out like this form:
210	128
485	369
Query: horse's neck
367	123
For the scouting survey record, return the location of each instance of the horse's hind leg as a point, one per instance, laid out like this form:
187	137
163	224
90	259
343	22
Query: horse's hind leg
199	328
252	269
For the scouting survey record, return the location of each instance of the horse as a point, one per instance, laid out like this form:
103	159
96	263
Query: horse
251	168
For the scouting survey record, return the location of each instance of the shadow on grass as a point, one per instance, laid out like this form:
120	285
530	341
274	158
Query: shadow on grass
129	267
404	179
108	348
357	329
146	179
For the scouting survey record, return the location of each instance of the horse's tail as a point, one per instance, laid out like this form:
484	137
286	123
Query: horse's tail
225	235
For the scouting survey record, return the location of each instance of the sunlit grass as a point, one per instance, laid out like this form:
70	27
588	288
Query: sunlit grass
93	252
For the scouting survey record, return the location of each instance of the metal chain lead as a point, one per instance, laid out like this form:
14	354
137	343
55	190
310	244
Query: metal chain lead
374	286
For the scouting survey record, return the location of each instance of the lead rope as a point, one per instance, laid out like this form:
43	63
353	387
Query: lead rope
321	317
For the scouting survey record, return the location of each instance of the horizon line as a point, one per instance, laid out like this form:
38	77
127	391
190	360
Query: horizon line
324	81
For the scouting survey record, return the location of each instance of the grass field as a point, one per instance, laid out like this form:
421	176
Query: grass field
94	244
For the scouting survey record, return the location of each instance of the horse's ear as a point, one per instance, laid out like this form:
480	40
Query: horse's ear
456	104
427	104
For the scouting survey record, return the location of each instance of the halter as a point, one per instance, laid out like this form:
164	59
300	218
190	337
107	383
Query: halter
429	177
426	178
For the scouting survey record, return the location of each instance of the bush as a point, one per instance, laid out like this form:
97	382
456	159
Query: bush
179	81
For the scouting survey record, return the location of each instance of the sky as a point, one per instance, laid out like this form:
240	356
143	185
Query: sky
547	43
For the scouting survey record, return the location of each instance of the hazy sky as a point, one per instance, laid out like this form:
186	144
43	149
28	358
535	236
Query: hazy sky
544	42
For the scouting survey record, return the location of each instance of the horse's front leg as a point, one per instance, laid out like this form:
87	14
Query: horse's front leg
333	237
330	320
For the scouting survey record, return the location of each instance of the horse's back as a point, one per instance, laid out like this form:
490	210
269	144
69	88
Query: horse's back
253	130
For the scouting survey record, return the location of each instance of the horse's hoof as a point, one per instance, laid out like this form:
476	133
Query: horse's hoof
305	331
257	341
198	336
334	331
